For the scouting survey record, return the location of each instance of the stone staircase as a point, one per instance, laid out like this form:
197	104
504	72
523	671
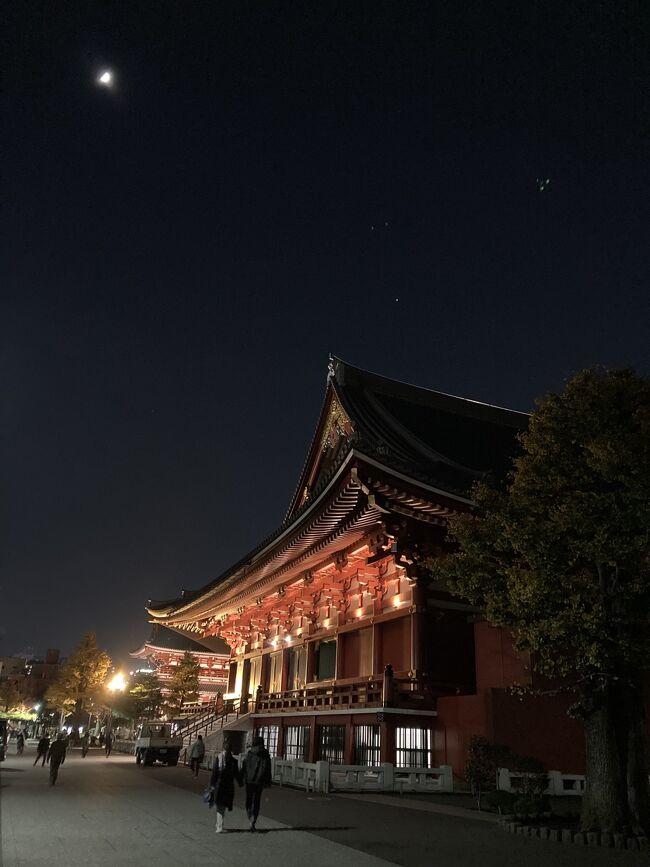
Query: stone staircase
212	725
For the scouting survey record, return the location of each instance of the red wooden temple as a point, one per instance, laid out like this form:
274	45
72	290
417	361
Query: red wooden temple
164	650
342	647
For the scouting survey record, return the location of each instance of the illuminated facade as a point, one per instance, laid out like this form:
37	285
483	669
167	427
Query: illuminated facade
164	649
343	648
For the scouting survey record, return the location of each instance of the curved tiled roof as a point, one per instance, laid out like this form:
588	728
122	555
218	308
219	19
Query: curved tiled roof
438	439
169	639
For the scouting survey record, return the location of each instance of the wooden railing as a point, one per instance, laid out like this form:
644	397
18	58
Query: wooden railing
231	712
385	691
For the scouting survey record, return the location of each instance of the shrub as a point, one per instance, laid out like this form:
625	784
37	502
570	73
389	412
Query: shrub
482	762
533	781
503	802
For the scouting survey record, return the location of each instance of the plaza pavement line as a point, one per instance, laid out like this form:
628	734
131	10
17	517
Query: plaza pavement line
422	806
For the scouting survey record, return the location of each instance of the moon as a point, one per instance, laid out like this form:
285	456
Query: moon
105	78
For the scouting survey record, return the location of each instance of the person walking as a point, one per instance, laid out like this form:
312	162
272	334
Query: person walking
222	784
257	776
41	750
196	755
56	757
20	743
108	743
84	744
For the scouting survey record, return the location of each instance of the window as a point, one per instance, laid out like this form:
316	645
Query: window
270	735
412	748
296	743
275	672
255	678
239	676
366	745
325	660
297	667
331	744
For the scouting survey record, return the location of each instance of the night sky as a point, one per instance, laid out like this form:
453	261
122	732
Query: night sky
265	184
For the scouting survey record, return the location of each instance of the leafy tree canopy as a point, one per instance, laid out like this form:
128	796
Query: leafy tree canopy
562	557
143	697
10	696
81	676
183	686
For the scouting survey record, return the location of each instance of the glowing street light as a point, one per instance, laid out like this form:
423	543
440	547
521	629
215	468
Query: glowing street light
106	78
117	683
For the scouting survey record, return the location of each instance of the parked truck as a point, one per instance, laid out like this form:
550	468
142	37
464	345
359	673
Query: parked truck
155	743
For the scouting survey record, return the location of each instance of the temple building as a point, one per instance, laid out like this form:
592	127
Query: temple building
164	649
342	646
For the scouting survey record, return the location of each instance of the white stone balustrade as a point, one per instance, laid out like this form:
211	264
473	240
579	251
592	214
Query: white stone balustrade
558	783
323	777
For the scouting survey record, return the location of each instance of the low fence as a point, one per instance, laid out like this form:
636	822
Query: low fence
323	777
558	783
123	746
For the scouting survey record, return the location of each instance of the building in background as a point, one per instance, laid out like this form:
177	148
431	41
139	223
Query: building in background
343	648
164	649
11	666
33	676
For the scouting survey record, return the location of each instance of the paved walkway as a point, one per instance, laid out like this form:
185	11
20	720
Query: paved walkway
110	813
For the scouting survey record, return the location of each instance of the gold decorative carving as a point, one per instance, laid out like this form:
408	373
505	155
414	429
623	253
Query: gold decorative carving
336	426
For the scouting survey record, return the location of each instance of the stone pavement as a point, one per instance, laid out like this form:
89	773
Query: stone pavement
110	812
100	813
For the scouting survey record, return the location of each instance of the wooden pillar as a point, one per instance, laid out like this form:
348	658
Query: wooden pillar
377	667
340	657
286	659
280	747
313	742
264	671
245	684
387	741
348	757
311	661
417	631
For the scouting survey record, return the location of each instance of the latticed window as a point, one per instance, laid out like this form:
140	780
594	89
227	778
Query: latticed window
331	744
412	747
296	743
275	672
326	659
270	735
366	745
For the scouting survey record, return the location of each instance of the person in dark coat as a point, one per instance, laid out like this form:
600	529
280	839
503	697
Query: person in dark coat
108	743
56	757
222	784
41	750
196	755
85	742
257	776
20	743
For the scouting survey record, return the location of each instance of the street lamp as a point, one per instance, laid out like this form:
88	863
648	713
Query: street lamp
116	684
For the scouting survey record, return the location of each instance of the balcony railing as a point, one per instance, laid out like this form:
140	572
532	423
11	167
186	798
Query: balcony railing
383	691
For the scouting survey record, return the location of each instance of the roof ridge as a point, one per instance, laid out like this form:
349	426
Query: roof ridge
335	360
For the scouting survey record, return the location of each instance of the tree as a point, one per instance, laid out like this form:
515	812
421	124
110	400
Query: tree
146	695
80	678
142	699
59	697
483	762
183	686
10	697
561	557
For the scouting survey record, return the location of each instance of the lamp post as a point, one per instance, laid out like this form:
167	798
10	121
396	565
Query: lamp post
116	684
37	725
